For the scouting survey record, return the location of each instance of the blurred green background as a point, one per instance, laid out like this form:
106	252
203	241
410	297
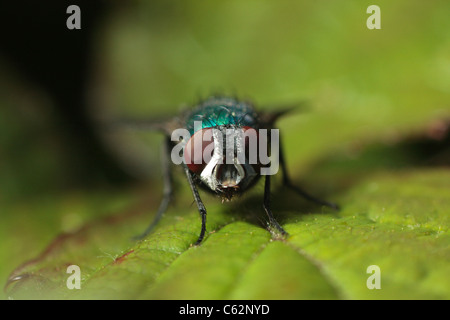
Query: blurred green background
379	99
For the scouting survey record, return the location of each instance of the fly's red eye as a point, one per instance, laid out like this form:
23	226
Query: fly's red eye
199	150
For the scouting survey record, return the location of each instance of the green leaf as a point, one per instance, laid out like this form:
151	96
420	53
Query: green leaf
326	255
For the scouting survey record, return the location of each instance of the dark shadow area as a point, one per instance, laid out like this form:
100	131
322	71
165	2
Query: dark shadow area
38	46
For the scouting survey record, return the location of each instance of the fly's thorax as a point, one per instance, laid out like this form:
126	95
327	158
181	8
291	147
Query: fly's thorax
218	111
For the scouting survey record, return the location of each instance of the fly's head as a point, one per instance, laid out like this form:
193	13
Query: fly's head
224	158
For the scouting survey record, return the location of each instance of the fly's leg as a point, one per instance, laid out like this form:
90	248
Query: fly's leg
287	182
266	204
168	189
200	205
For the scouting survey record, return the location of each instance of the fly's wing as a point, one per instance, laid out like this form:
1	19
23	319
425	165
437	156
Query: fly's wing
163	125
134	143
268	118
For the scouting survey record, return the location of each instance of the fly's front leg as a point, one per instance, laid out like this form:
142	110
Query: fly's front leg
266	205
168	189
200	205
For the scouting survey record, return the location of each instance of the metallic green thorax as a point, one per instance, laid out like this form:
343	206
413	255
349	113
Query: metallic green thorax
222	111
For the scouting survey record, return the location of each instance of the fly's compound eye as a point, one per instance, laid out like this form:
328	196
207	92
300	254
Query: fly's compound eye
199	150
